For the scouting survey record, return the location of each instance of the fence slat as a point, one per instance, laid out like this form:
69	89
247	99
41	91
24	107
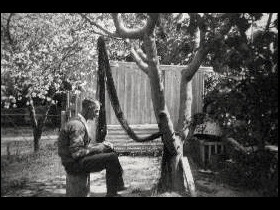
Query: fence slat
134	93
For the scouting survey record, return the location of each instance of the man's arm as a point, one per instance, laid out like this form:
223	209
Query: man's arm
77	148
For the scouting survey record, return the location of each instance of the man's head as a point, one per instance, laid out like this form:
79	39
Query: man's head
90	108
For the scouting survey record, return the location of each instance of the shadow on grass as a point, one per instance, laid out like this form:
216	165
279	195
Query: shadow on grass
50	189
26	188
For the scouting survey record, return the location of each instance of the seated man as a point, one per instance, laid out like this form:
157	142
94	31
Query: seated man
79	156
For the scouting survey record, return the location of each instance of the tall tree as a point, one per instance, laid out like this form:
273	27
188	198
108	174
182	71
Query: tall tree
245	101
251	85
40	53
206	37
172	165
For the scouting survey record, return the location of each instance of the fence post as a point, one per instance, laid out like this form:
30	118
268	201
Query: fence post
8	150
76	104
68	108
63	119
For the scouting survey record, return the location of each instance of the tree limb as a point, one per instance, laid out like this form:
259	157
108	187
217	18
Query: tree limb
240	148
204	48
169	136
188	177
136	33
32	113
139	58
268	22
142	55
202	30
45	116
225	28
192	68
108	33
98	33
139	61
178	17
8	29
68	54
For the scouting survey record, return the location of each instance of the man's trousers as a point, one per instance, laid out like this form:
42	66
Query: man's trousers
108	161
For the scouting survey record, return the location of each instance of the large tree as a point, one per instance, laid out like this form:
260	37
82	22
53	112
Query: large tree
172	165
245	102
200	38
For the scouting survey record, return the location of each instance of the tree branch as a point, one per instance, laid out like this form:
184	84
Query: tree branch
188	73
204	48
139	61
188	177
45	116
152	21
68	54
268	22
237	147
192	68
108	33
225	28
202	29
8	33
142	54
98	33
138	58
178	17
136	33
32	113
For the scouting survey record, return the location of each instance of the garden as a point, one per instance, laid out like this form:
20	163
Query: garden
179	131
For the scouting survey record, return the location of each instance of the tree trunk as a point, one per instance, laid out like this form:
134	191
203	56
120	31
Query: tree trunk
186	91
185	109
37	125
172	179
176	174
185	114
37	134
173	167
173	163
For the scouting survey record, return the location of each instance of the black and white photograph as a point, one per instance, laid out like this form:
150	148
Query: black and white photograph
139	104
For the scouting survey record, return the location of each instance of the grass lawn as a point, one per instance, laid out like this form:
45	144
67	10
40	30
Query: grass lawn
42	175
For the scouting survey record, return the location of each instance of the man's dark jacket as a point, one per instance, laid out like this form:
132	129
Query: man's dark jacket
74	143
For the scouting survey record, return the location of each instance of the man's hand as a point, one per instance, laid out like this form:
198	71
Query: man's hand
109	144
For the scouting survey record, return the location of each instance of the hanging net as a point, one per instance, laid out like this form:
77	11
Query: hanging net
105	76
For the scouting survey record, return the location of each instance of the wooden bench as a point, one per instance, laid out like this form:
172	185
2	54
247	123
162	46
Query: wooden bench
208	149
78	185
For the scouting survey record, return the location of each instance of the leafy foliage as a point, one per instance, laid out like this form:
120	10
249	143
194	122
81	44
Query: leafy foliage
175	45
245	99
242	95
41	52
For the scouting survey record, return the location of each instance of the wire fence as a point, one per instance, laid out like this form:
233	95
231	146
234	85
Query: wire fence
17	131
17	135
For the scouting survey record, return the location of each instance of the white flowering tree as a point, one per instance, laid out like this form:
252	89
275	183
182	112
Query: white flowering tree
40	53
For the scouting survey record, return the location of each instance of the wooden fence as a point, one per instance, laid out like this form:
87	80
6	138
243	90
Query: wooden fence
134	93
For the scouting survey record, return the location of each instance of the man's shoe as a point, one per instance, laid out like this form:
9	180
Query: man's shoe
113	195
122	188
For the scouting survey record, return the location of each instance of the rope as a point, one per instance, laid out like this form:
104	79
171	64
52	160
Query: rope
105	75
101	127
